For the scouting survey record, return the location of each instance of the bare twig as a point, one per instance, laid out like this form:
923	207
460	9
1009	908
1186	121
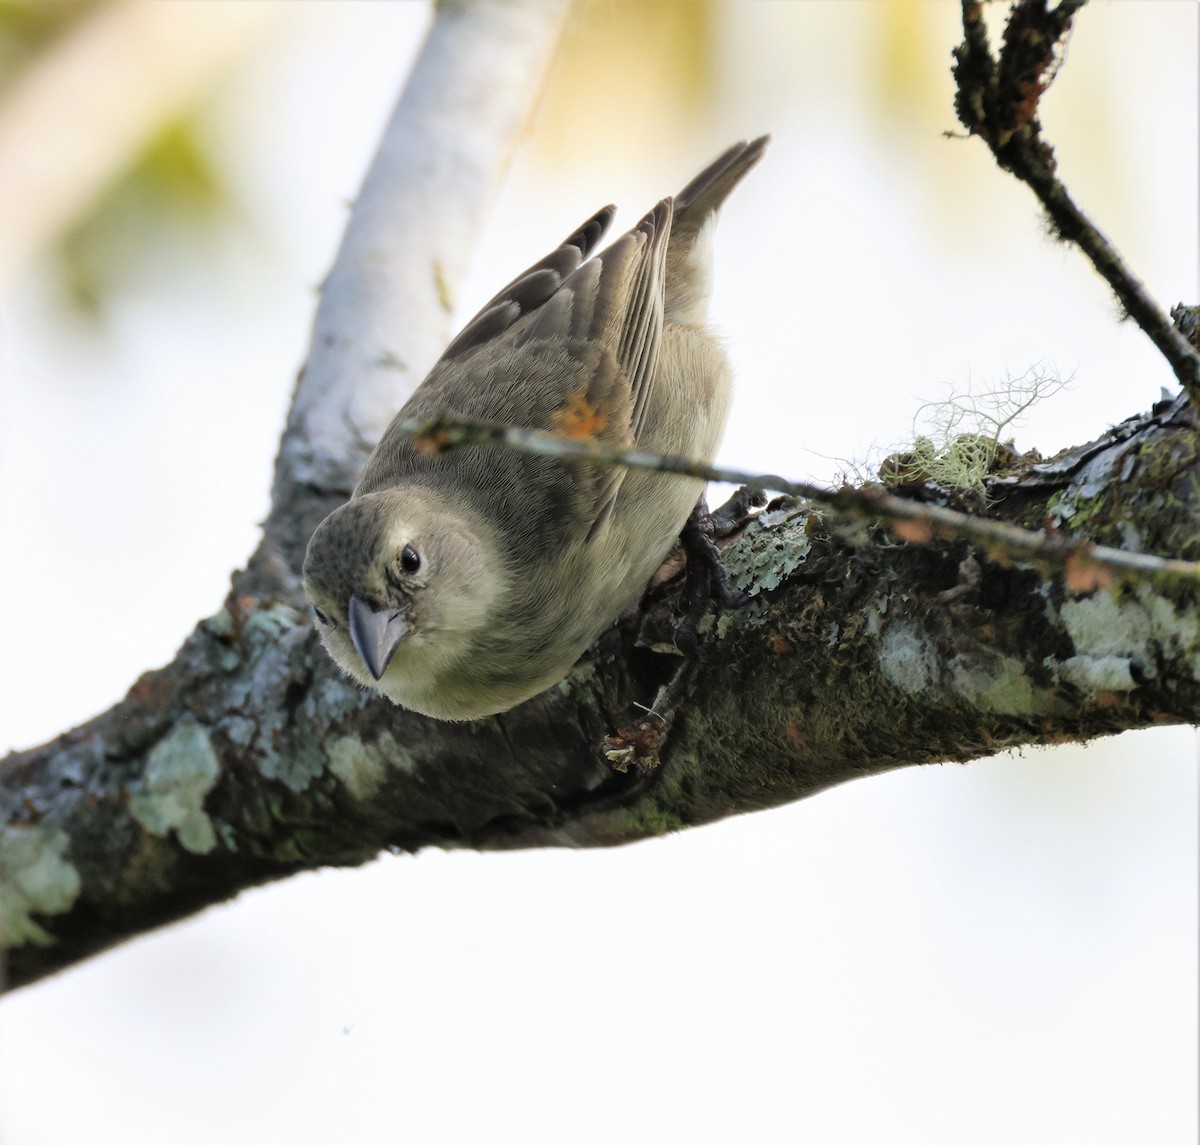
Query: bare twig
998	100
1087	565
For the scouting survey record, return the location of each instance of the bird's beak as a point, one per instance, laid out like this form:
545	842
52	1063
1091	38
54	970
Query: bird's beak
376	634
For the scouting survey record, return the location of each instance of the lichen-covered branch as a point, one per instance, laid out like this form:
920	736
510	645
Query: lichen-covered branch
248	758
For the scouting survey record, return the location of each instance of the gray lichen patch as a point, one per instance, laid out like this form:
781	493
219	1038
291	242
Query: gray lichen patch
908	658
1099	625
1177	632
35	878
991	682
362	767
181	770
1137	627
274	636
770	549
1098	673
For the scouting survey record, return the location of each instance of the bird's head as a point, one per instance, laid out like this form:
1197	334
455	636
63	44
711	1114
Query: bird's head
399	586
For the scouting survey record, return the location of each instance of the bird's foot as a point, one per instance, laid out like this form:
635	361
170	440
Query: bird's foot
707	581
639	744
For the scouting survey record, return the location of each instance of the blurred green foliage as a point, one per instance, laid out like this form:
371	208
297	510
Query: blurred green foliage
172	188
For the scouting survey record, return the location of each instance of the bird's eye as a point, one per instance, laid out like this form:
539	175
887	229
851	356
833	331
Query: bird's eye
410	559
321	617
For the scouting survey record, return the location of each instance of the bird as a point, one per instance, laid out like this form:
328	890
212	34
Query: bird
460	584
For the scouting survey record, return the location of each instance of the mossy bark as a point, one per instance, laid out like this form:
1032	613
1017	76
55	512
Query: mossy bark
248	757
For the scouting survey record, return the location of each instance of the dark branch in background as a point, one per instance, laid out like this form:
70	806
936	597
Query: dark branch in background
998	101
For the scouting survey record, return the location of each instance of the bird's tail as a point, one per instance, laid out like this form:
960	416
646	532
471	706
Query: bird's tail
689	255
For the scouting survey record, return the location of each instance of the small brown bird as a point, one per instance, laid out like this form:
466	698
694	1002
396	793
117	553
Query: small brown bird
460	584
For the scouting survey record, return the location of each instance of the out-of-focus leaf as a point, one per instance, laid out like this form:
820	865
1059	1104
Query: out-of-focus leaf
173	187
26	26
908	34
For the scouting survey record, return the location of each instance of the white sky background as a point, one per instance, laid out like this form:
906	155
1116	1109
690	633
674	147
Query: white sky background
1000	952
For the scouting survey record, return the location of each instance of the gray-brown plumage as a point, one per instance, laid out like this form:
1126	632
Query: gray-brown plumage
460	584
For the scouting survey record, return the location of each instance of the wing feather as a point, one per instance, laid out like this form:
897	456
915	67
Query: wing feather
532	288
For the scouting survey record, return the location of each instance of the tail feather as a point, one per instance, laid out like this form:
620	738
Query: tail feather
689	255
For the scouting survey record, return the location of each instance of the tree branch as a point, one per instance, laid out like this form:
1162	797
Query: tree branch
998	100
248	758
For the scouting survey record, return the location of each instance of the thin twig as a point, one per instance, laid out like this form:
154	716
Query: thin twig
998	100
1086	564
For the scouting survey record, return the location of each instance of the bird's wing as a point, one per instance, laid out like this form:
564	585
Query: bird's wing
608	314
569	347
532	288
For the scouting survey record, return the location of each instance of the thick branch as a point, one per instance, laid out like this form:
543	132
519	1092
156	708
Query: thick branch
248	758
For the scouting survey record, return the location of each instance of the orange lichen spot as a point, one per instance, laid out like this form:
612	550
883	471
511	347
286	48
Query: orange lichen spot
1110	699
780	645
435	440
1085	575
796	733
579	418
916	532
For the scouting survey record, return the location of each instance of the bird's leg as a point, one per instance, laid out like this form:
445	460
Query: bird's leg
738	511
706	580
705	583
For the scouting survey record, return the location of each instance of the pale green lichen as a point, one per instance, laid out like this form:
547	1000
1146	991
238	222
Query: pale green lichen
582	680
1130	626
35	878
181	769
907	658
275	640
650	819
1094	674
1178	633
991	682
266	623
223	631
362	767
770	549
960	444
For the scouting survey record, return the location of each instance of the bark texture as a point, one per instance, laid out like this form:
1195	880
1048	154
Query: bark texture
249	758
